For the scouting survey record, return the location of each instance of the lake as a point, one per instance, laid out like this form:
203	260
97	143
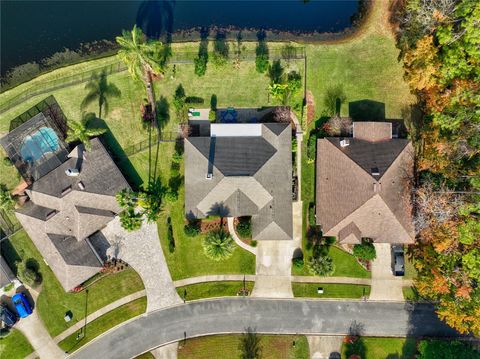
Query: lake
33	30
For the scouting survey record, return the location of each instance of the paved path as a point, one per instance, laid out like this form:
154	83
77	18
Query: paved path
36	333
385	286
141	250
325	347
231	229
98	313
280	316
168	351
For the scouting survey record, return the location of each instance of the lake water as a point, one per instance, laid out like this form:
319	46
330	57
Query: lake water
32	30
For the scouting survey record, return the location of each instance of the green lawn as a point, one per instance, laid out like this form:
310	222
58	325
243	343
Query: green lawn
54	302
410	293
227	347
383	348
213	289
309	290
104	323
15	346
345	264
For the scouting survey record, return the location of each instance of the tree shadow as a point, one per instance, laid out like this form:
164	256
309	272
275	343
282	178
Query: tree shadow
366	110
219	209
354	343
10	254
118	154
163	112
156	18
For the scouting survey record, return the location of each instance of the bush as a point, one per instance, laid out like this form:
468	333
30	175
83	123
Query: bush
22	73
171	239
27	272
445	349
298	262
253	243
200	65
365	251
321	266
311	215
192	229
218	245
244	227
194	100
130	220
213	102
312	147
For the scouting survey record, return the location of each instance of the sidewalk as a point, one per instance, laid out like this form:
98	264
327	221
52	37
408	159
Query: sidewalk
231	229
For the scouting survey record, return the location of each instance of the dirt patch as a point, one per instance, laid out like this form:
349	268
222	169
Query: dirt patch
310	108
208	225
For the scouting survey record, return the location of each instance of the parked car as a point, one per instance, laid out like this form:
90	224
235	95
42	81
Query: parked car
398	261
21	305
7	317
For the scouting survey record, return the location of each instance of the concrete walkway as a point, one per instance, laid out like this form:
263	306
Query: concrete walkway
231	229
168	351
325	347
36	333
385	286
142	251
99	313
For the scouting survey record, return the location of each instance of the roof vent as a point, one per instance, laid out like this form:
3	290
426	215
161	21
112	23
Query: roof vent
375	171
81	185
66	190
72	172
209	176
344	143
50	214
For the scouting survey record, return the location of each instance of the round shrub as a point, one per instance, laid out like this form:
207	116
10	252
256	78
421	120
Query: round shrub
192	229
321	266
244	227
365	251
298	262
218	245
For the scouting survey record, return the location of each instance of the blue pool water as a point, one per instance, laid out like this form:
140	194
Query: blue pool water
35	146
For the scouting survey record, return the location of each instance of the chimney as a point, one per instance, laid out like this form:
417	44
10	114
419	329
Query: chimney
344	143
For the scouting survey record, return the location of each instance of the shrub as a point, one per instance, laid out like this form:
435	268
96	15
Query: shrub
218	245
312	148
365	251
298	262
171	196
253	243
200	65
261	63
192	229
171	239
6	200
7	161
194	100
22	73
213	102
321	266
27	272
311	215
244	227
130	220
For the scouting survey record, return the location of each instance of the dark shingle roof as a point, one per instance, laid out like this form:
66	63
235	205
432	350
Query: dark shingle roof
73	252
235	156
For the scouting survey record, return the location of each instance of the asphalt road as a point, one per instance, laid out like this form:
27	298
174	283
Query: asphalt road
281	316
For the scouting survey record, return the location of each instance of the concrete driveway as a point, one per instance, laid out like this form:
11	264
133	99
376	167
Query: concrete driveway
385	286
279	316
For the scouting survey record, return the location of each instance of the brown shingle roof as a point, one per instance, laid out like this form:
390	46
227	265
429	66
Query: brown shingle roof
372	131
348	196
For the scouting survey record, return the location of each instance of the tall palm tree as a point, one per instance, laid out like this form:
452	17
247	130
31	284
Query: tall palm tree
142	57
79	131
99	89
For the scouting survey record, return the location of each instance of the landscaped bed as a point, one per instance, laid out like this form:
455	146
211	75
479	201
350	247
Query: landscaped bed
54	302
310	290
374	348
228	346
15	346
214	289
104	323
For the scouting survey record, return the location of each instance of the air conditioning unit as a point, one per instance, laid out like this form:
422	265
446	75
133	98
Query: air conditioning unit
344	143
72	172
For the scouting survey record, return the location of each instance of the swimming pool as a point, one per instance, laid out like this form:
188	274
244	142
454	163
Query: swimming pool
35	146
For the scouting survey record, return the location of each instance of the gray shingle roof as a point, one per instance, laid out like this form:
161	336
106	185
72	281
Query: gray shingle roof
74	252
251	176
352	203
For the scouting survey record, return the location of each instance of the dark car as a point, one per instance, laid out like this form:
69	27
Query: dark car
398	261
7	316
21	305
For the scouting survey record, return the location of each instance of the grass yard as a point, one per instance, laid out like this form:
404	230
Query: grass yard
213	289
104	323
345	264
309	290
54	302
15	346
227	347
376	348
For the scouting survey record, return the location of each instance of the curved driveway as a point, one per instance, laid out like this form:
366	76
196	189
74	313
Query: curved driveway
281	316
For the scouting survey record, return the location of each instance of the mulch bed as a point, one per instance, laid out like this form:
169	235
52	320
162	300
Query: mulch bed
208	225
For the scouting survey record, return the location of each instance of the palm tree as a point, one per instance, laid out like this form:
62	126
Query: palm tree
79	131
99	89
142	57
218	245
250	345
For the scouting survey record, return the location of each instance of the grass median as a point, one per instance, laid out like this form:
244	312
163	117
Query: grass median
213	289
350	291
104	323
